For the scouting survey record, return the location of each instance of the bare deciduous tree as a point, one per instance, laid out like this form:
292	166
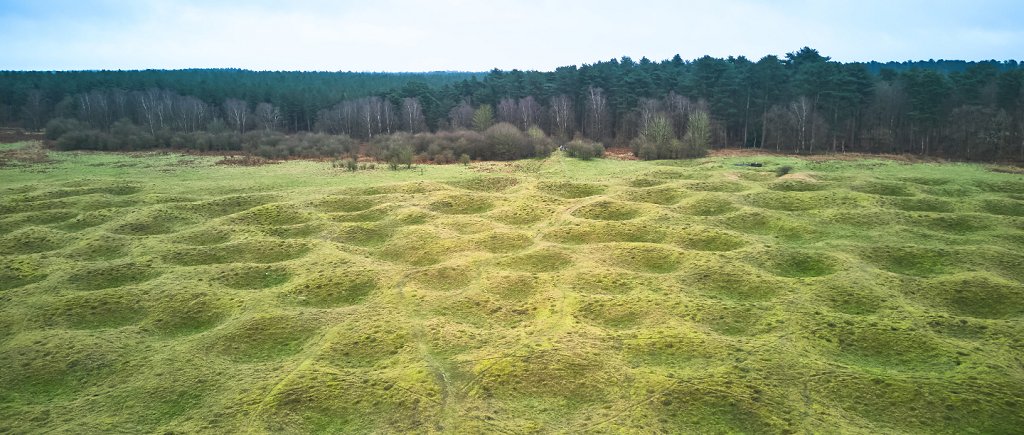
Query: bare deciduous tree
461	116
34	110
237	113
412	116
563	116
268	116
596	123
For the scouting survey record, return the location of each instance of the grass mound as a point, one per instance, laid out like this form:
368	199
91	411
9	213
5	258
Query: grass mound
884	188
361	234
582	233
227	205
608	282
731	281
1004	207
206	236
502	241
554	295
263	338
796	185
614	312
486	184
709	239
540	260
798	264
978	295
605	210
889	347
646	182
421	247
251	277
49	364
185	312
444	277
242	251
19	272
641	257
768	223
32	240
520	215
926	204
152	222
911	260
333	288
271	215
109	275
798	201
715	186
510	285
345	204
666	195
48	217
707	205
461	204
571	190
98	310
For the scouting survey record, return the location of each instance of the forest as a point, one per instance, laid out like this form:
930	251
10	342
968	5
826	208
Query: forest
803	102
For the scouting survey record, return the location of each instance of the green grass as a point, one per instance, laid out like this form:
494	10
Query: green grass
162	293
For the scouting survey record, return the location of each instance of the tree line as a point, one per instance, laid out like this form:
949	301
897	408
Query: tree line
803	102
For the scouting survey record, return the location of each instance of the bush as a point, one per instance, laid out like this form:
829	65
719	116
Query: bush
584	149
542	145
128	137
57	127
85	140
698	135
464	159
657	140
783	170
506	142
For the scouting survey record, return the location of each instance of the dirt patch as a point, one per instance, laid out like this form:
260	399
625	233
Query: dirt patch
619	153
11	135
245	161
28	155
732	176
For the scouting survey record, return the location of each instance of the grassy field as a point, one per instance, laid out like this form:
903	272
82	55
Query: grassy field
164	293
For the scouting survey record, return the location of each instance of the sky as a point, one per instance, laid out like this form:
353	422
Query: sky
480	35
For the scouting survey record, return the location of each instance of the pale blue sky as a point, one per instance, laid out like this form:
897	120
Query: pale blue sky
477	35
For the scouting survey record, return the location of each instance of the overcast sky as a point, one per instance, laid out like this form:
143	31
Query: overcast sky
478	35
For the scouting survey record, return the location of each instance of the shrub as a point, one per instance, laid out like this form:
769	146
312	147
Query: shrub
657	140
584	149
464	159
698	135
127	136
506	142
57	127
351	165
91	139
542	144
783	170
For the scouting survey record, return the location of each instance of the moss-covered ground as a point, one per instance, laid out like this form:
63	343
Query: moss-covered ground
161	293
